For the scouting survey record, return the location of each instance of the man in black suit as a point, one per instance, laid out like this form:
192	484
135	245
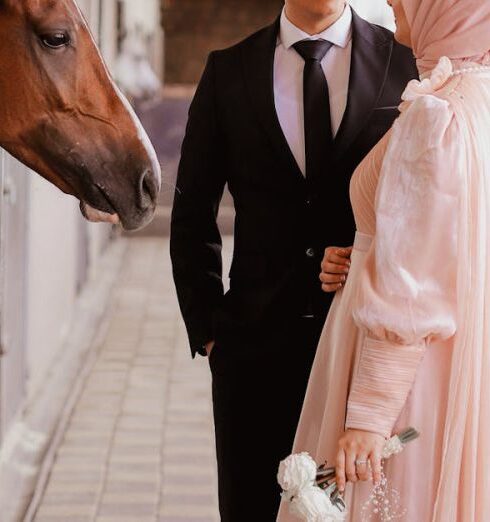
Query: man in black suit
284	118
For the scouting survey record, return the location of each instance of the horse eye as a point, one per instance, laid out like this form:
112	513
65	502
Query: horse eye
55	40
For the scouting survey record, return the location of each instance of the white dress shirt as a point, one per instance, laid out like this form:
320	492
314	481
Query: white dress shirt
288	78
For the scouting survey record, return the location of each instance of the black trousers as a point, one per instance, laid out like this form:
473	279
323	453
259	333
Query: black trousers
258	392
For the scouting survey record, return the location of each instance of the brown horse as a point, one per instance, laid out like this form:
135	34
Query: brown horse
62	115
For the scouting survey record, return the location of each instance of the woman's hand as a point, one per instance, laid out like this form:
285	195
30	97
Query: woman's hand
359	457
335	268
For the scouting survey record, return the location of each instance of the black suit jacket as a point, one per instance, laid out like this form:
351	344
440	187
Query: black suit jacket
283	224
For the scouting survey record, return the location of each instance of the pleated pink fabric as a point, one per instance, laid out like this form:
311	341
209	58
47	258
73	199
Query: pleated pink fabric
458	29
407	341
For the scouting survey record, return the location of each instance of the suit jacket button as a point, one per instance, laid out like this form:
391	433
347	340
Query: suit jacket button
310	252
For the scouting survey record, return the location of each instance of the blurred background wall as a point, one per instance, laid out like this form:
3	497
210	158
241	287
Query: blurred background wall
193	28
376	11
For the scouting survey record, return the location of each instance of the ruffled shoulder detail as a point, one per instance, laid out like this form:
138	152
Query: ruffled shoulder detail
427	113
428	86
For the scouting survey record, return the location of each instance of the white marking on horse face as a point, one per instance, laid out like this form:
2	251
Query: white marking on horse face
142	134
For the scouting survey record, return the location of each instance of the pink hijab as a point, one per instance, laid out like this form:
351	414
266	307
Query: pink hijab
458	29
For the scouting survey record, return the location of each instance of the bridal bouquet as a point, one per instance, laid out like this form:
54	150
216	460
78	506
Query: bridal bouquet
312	491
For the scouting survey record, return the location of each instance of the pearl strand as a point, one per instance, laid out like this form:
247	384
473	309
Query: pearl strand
476	69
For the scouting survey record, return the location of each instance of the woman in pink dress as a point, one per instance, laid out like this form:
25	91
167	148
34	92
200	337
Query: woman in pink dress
407	341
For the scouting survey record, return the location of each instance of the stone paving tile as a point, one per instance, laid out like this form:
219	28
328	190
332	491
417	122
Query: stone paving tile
140	444
62	518
123	510
187	510
72	497
67	510
130	518
186	519
131	485
62	488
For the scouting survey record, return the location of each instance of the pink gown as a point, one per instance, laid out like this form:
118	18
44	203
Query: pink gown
389	355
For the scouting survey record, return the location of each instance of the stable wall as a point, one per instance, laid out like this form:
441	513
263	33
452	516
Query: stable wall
54	264
193	28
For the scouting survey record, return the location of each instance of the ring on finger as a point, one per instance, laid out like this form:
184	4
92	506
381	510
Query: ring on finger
362	468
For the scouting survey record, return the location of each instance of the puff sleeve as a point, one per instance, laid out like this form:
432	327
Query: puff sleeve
407	292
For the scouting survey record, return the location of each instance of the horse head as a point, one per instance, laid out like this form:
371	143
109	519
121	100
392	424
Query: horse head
62	115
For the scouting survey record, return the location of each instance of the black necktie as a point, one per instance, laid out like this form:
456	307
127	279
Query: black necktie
318	127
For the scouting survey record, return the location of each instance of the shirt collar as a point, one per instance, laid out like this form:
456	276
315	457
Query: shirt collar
340	33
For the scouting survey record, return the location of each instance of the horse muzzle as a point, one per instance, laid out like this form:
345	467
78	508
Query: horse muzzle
132	205
98	216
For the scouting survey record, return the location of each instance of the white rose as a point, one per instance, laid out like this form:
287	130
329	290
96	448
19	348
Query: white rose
313	505
296	472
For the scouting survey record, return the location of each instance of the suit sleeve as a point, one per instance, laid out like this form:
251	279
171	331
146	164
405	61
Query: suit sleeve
195	243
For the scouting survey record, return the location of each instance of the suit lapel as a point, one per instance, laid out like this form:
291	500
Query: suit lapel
371	52
258	65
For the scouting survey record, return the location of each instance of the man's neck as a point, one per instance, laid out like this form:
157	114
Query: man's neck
312	24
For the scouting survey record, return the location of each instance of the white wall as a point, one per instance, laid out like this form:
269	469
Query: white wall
51	275
376	11
90	9
108	38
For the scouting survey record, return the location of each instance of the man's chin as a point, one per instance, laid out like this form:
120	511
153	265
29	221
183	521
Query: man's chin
98	216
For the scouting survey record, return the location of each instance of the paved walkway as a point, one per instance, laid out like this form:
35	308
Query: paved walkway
139	445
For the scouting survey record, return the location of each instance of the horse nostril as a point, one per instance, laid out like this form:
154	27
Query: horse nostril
148	190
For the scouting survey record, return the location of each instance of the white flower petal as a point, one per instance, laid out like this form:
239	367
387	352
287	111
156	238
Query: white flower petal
313	505
296	472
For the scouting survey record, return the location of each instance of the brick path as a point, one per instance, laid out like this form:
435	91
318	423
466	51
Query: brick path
139	445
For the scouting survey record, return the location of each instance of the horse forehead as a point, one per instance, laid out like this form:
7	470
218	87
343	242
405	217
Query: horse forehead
40	10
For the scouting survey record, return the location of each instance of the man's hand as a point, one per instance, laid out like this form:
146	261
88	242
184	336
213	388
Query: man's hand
335	268
209	348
